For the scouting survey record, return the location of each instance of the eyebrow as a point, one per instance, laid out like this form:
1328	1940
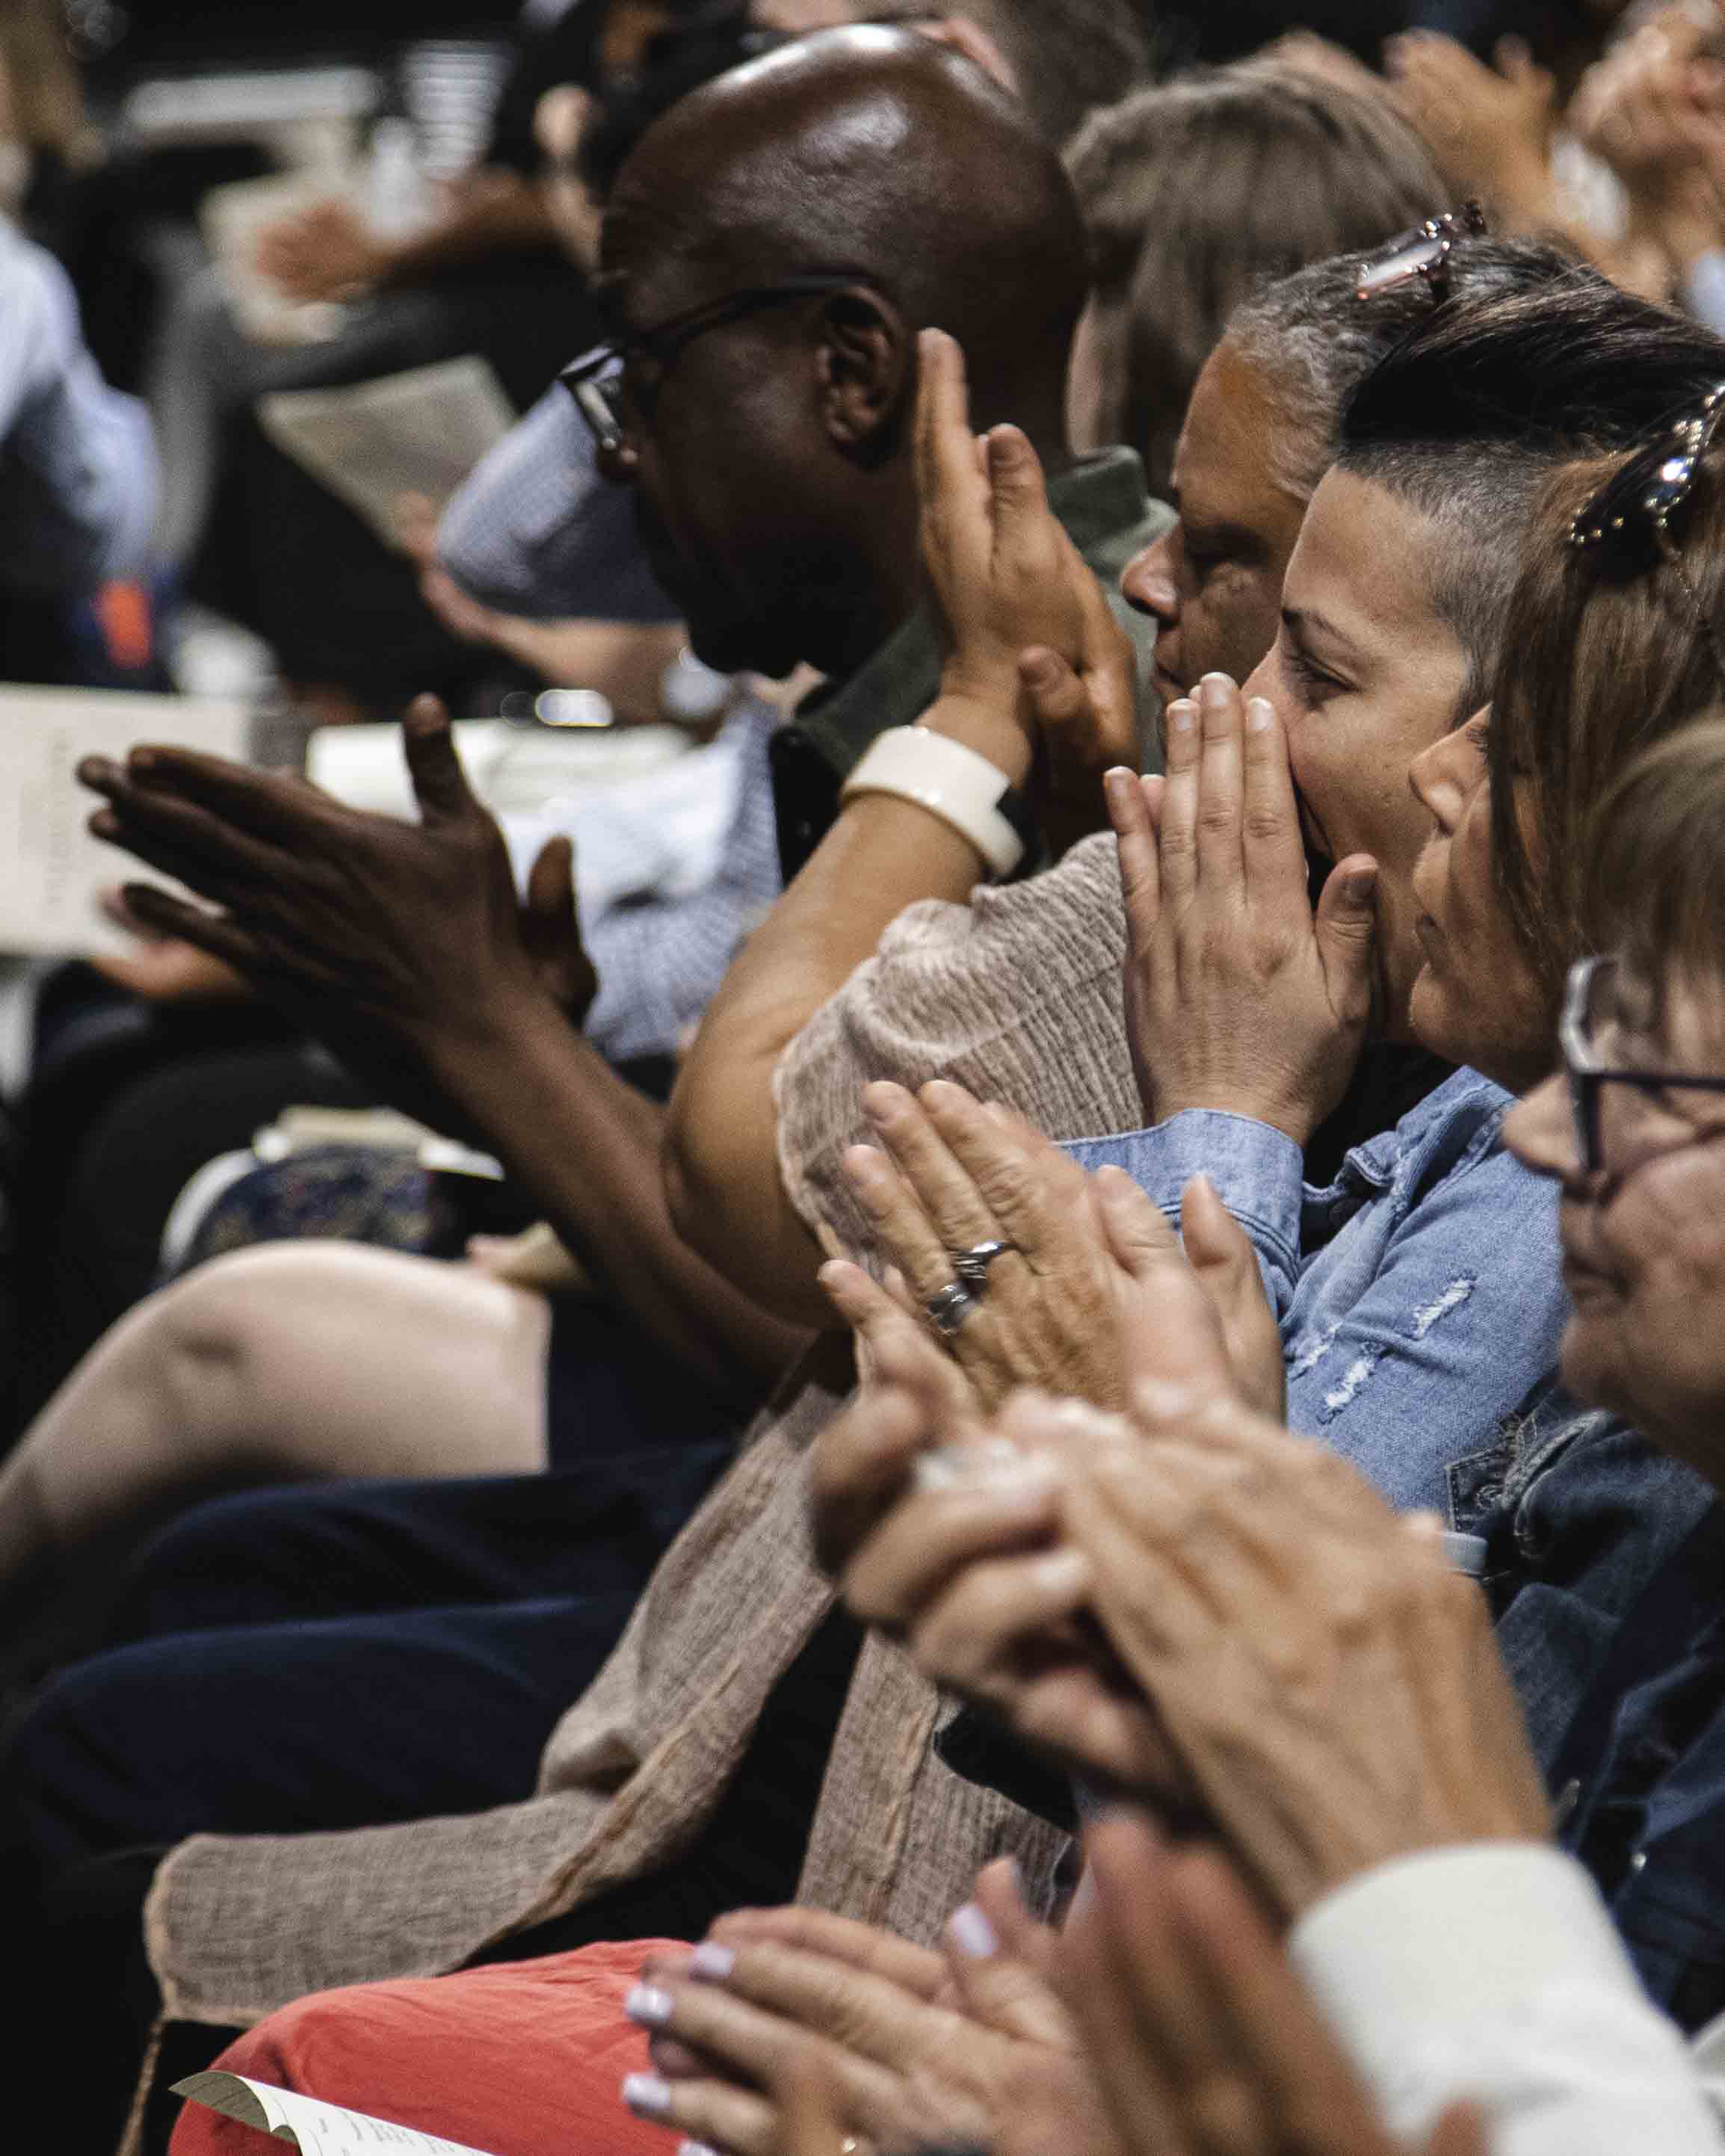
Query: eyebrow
1224	536
1302	622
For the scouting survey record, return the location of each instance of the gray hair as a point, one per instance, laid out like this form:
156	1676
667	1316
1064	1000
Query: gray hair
1311	340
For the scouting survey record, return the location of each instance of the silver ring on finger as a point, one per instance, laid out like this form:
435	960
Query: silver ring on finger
949	1306
972	1266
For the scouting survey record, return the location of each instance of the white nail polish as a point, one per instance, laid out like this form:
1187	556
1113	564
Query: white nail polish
973	1934
646	2096
712	1962
649	2006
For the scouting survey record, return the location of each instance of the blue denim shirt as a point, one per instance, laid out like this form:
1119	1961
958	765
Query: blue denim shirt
1419	1294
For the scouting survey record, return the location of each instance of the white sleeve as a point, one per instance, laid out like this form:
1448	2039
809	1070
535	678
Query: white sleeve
1493	1972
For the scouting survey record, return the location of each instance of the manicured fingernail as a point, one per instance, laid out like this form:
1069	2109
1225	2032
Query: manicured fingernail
712	1962
646	2096
1215	689
651	2006
973	1934
1181	714
1260	715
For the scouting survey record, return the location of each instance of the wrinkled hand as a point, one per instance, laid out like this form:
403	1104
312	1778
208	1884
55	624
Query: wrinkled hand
1488	128
1327	1679
965	1561
1203	2039
913	2047
1237	996
377	935
1094	1290
327	252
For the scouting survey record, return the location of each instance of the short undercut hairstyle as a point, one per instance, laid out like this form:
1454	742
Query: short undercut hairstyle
1466	419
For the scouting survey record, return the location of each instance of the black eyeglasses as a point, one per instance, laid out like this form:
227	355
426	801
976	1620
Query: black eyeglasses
1630	518
1589	1006
1422	253
595	380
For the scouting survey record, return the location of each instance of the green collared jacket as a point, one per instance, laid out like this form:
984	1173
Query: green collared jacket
1102	502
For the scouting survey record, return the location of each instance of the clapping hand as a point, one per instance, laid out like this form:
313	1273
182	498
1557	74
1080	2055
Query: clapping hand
1031	640
1202	2038
1085	1287
913	2047
1238	997
397	942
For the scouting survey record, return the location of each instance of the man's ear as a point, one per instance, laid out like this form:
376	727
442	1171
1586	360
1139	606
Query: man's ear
867	361
964	35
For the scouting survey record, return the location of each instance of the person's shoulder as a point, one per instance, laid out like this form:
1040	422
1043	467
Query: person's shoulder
1455	1137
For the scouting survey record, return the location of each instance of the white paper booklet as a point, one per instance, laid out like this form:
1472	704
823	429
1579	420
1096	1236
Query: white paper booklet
417	433
52	871
315	2129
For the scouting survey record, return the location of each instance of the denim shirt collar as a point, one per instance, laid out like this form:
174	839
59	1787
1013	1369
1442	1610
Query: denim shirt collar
1455	1123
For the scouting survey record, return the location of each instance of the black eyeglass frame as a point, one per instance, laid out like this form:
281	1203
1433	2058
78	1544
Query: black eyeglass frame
1637	503
593	378
1424	253
1588	1079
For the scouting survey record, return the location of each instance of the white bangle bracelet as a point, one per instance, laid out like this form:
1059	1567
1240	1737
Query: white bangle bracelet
956	783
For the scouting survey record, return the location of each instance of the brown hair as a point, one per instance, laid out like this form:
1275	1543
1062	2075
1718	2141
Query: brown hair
1606	652
1200	189
1654	876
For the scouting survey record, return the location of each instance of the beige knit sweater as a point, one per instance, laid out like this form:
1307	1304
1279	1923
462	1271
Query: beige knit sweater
1017	996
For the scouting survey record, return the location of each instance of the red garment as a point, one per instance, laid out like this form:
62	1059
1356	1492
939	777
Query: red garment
521	2059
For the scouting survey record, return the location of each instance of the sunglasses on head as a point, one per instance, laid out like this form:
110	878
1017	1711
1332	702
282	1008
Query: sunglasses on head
1422	253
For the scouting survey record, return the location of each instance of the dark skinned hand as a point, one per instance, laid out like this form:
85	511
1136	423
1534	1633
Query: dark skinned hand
394	942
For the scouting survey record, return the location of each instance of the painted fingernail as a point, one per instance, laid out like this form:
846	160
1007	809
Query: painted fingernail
1260	715
1181	714
973	1934
651	2006
646	2095
712	1962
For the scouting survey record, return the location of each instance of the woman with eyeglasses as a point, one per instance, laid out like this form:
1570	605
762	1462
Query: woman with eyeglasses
1326	1684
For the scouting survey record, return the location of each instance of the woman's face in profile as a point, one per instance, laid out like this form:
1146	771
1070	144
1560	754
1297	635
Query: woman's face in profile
1644	1238
1477	997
